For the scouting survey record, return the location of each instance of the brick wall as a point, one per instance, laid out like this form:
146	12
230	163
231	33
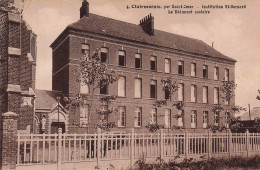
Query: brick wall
16	69
60	77
14	34
3	60
26	76
131	73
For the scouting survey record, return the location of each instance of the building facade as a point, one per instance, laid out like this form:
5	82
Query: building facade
50	113
141	56
17	66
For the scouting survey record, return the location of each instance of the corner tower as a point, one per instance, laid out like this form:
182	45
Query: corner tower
17	66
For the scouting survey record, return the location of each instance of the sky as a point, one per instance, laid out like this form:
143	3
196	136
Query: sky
235	32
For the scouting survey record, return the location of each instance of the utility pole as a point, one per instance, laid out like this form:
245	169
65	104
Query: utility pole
249	111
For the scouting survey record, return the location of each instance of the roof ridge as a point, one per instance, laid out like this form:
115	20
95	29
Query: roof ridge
140	26
77	21
107	26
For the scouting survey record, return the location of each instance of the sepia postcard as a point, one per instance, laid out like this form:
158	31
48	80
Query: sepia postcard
177	82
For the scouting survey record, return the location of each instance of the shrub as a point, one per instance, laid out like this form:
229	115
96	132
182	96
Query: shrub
209	164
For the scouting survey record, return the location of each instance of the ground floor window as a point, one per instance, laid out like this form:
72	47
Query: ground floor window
227	117
138	117
153	115
216	118
193	119
122	117
84	111
180	118
167	116
205	119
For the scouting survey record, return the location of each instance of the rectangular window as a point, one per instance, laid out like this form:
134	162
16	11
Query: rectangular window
205	119
138	117
122	116
83	86
180	67
216	95
227	117
193	119
121	58
180	92
205	94
153	89
205	71
84	111
153	63
227	102
104	54
167	63
103	108
167	93
85	51
138	61
193	92
216	73
103	88
121	87
138	88
193	69
216	118
180	119
167	116
226	74
153	115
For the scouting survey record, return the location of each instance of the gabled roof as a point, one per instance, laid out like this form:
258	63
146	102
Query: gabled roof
255	113
123	30
45	99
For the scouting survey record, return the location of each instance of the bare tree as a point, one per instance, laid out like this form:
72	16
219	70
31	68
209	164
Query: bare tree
169	88
95	75
228	92
258	96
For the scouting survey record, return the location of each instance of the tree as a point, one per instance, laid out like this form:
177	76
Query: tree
228	92
258	96
257	119
95	74
257	124
169	88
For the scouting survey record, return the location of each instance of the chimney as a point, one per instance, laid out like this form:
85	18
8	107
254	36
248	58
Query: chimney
147	24
84	9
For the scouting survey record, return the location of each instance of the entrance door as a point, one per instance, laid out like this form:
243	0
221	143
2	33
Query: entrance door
55	126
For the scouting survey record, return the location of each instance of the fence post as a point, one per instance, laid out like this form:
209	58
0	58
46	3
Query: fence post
99	147
209	143
161	144
132	148
59	148
8	141
230	147
186	144
247	142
